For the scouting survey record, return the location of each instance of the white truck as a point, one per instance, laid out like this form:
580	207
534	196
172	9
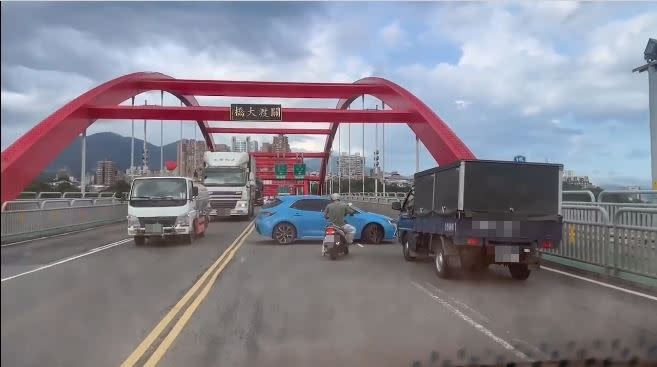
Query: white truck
167	207
230	179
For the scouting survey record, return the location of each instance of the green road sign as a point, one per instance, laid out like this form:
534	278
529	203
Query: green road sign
284	190
280	170
299	170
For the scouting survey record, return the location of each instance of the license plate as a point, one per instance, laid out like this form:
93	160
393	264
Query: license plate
329	238
154	228
507	254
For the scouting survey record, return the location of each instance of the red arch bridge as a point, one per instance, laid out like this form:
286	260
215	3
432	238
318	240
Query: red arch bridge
23	161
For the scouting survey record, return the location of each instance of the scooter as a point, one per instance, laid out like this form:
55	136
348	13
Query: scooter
335	241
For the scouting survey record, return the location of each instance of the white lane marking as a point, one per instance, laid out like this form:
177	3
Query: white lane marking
644	295
542	355
360	245
506	345
52	236
92	251
459	302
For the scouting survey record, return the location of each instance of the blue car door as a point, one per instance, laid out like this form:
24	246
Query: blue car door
308	217
359	219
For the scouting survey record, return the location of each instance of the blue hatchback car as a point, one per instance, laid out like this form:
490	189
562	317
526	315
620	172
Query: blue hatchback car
288	218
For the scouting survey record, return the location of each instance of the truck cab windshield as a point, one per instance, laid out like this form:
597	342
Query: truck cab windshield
159	189
224	177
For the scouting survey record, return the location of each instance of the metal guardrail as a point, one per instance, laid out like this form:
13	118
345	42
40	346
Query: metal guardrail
25	224
21	205
623	241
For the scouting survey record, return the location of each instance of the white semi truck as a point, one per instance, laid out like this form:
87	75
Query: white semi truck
230	179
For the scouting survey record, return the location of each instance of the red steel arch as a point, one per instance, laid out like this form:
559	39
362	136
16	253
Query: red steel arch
28	156
32	152
433	132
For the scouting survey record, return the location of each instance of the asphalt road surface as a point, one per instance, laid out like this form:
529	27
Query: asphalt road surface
235	299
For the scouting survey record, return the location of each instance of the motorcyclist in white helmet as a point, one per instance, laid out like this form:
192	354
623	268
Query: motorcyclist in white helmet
335	212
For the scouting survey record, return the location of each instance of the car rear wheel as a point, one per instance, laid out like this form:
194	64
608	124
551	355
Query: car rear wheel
372	233
284	233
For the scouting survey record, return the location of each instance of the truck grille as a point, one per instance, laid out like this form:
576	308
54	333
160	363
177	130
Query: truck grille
164	221
222	203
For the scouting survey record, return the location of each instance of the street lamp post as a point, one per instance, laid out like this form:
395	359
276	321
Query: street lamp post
650	55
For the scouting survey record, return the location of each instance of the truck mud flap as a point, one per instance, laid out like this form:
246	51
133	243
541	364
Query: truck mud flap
450	251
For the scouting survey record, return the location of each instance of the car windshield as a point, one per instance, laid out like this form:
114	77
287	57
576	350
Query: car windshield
159	188
224	177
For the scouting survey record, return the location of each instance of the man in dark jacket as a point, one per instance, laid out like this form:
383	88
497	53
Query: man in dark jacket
335	212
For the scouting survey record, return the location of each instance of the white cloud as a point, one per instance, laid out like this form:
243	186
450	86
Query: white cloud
392	34
461	104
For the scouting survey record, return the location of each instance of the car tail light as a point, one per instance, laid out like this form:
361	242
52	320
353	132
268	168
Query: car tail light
547	244
330	230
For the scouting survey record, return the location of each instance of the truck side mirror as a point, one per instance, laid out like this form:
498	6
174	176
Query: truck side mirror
251	176
396	205
195	191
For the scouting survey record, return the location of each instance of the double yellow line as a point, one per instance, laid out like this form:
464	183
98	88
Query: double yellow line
212	273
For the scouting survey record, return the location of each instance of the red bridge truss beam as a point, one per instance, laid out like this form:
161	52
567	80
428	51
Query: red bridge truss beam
246	130
30	154
261	89
433	132
211	113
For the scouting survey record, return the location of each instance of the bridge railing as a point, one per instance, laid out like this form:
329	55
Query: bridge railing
58	216
618	237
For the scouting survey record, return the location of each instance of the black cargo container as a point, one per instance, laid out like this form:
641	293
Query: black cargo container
492	188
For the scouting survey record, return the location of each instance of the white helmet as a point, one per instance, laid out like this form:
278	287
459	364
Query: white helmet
335	196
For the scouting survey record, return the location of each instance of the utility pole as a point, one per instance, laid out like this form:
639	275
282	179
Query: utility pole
417	154
180	146
363	161
340	159
83	174
650	55
349	158
144	158
376	157
383	149
132	145
161	135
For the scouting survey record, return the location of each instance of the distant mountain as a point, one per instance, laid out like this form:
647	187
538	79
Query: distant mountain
110	146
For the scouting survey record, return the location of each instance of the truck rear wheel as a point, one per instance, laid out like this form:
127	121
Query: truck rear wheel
519	271
139	240
440	262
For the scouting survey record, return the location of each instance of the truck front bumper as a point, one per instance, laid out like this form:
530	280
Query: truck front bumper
228	212
166	231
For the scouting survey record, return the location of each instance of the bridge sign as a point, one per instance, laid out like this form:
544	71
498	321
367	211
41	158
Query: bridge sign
280	170
299	170
519	159
255	112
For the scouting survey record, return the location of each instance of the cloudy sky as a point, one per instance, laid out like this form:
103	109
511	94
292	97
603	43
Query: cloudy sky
551	81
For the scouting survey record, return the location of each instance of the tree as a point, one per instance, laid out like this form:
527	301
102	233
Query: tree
65	186
119	187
